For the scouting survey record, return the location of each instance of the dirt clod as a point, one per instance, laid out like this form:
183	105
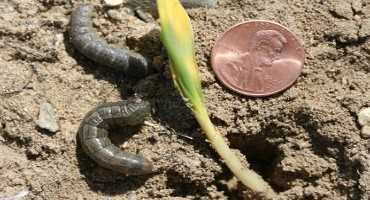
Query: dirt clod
343	9
365	28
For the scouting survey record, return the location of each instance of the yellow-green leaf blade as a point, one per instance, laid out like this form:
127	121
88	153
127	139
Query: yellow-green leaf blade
177	36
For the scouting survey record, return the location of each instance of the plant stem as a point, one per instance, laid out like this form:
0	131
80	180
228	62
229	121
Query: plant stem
248	177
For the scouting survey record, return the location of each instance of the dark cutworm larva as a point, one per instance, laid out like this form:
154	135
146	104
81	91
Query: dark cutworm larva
93	134
85	40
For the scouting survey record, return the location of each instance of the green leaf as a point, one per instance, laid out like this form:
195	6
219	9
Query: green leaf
177	37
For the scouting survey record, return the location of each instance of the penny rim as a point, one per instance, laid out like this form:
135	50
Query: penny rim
296	44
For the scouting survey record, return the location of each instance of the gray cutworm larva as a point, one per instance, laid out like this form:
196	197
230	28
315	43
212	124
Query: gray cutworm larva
93	134
84	38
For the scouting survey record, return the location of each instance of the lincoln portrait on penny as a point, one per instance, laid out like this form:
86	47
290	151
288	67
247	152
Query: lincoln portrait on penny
255	69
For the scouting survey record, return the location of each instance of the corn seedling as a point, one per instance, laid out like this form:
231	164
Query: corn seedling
177	37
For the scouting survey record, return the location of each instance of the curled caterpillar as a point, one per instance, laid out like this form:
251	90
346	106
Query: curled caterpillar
94	129
84	38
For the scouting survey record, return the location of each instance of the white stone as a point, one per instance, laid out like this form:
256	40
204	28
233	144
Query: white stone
365	132
113	3
364	117
47	118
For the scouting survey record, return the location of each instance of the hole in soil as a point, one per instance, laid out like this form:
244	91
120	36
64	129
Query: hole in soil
261	155
3	125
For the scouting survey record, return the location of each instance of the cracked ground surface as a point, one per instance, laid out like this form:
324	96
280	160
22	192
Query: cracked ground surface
305	142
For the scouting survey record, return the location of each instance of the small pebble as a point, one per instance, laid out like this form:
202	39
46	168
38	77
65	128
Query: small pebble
123	14
365	28
114	14
346	31
357	5
19	196
132	196
47	118
199	3
365	132
112	3
364	117
146	17
364	121
343	9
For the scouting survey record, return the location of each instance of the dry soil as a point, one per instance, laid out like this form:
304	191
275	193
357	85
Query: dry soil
306	142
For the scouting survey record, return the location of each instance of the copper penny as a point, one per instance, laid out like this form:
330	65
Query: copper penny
258	58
